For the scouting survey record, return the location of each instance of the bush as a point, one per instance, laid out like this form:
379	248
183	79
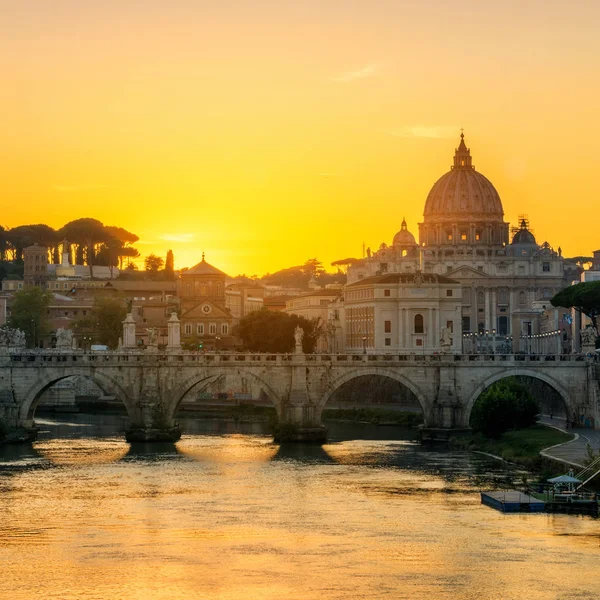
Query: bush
505	405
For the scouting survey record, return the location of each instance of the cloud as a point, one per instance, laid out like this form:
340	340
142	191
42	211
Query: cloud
182	238
425	131
78	188
368	71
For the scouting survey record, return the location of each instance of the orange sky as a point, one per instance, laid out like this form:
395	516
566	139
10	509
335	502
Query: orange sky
266	132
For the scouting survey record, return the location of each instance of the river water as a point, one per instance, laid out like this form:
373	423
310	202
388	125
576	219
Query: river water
225	514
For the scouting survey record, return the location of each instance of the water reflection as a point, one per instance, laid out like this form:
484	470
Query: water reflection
231	515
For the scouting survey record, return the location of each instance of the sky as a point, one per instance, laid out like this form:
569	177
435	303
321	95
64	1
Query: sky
267	132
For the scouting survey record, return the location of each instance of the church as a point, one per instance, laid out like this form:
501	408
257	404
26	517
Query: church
502	272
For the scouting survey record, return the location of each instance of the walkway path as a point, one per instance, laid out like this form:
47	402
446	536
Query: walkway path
574	452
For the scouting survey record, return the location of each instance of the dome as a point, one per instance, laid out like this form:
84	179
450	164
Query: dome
524	236
463	193
404	237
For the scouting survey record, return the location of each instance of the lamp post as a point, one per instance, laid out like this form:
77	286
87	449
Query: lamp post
33	332
217	338
86	339
493	341
364	341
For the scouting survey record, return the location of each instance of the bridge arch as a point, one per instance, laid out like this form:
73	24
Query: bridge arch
212	376
484	385
104	381
345	377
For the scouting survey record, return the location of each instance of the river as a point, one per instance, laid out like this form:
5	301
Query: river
225	514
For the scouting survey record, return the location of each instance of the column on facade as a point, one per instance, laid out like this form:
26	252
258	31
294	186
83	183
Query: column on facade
474	313
429	336
405	330
486	304
494	308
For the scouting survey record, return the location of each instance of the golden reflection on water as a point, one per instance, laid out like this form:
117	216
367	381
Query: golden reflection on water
82	451
236	517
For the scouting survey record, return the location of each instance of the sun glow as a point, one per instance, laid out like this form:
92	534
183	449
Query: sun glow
266	135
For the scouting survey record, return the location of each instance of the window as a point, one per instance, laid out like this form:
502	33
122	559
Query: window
466	324
521	298
419	324
463	236
418	342
521	269
387	292
502	325
387	327
188	329
323	302
448	269
450	326
478	236
502	296
388	341
200	329
480	269
449	293
449	236
224	329
546	267
212	329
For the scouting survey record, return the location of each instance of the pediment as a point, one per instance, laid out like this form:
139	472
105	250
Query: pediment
198	312
465	272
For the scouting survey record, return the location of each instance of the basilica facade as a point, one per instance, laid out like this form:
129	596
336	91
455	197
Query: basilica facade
502	271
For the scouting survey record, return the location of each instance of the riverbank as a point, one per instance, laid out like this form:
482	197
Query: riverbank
521	446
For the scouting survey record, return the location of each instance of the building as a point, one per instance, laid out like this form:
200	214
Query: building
205	318
315	306
35	266
463	236
402	312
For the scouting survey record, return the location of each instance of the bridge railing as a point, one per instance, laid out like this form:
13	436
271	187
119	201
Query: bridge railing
97	358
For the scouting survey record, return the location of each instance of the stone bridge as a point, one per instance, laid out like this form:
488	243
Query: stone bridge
152	385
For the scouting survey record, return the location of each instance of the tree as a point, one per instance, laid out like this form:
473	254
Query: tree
583	297
271	331
505	405
86	233
105	322
153	264
170	266
29	312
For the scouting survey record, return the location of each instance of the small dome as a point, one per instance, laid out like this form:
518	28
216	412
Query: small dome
524	236
404	237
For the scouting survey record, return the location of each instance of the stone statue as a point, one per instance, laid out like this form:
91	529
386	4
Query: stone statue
18	338
152	336
445	337
588	339
129	306
12	337
64	338
298	335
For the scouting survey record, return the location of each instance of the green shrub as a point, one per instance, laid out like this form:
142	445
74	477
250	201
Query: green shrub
505	405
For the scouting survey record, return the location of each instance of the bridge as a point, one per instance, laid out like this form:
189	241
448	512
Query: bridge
152	385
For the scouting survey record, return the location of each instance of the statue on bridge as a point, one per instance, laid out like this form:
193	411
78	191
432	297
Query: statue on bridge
152	336
445	340
588	340
298	336
14	338
64	339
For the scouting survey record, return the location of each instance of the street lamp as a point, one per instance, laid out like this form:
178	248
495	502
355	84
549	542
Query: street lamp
217	338
364	341
493	341
86	340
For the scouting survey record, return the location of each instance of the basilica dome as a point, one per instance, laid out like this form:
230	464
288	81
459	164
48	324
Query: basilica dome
404	238
463	194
